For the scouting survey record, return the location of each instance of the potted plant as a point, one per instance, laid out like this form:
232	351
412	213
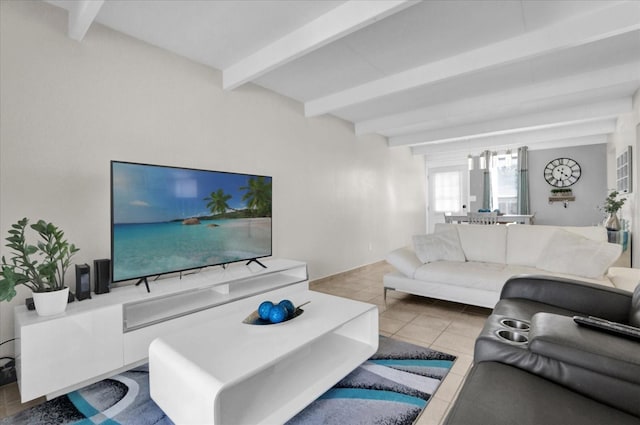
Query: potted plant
40	267
611	207
561	192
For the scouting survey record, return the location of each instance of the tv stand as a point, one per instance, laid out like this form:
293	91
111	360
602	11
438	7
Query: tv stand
146	283
255	260
110	333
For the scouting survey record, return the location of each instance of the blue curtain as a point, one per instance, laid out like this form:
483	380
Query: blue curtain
487	199
523	181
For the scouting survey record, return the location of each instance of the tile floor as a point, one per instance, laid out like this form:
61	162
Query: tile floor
443	326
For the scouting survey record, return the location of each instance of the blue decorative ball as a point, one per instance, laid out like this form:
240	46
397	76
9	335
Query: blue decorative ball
288	305
278	314
265	310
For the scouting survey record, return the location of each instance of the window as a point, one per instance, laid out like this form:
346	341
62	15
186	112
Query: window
504	184
447	191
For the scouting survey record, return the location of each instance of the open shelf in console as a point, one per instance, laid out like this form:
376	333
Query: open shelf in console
332	356
208	290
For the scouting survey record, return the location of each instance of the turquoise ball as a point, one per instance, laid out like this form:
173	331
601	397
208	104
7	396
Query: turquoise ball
277	314
265	310
288	305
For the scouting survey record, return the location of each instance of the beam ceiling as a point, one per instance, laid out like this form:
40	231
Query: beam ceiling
437	77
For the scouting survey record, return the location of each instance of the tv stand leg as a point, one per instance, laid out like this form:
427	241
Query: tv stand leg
255	260
146	283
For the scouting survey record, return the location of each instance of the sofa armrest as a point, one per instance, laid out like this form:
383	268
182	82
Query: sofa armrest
586	298
405	260
559	337
624	277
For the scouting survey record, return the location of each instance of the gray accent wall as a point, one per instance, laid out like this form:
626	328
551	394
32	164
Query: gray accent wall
476	187
590	190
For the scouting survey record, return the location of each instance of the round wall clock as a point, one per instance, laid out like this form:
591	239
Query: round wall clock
562	172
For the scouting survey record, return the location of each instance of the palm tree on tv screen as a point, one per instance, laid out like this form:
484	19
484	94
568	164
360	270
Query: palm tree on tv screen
258	196
218	202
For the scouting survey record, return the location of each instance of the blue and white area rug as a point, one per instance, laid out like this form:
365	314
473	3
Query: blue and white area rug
392	387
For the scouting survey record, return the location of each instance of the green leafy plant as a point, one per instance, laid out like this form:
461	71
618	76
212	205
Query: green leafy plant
40	267
564	190
611	204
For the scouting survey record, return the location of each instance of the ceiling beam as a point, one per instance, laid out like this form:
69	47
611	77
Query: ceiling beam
608	22
520	123
81	15
601	82
559	134
337	23
596	139
459	156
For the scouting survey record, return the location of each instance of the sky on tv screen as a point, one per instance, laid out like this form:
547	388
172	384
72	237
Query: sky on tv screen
152	194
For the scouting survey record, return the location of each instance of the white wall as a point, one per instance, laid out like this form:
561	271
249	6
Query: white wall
68	108
626	134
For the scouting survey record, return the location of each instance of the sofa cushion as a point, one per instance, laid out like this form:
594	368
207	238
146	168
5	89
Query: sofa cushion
525	244
596	233
485	243
478	275
443	245
624	278
405	260
567	252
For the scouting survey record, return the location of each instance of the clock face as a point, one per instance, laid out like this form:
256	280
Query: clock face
562	172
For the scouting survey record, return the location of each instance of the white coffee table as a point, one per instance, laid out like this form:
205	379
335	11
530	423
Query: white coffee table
228	372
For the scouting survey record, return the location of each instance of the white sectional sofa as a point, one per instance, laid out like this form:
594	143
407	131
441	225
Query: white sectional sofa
470	263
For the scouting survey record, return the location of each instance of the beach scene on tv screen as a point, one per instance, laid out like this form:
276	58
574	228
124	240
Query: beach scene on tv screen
168	219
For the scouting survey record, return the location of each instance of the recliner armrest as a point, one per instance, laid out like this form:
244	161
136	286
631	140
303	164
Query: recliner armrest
559	337
583	297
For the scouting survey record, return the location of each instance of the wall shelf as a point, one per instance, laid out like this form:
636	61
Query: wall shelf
553	199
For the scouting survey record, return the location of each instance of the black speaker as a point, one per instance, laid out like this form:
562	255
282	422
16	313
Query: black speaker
102	276
83	285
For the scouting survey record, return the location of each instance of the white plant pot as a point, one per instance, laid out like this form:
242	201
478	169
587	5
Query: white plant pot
51	303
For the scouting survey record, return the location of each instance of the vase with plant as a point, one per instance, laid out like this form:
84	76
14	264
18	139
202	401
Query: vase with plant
612	205
40	267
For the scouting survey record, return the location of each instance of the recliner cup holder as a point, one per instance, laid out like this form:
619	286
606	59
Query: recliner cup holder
516	324
512	337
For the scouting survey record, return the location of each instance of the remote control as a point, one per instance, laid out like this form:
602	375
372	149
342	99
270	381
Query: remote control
608	326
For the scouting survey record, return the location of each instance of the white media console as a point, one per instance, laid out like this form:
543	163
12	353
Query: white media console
109	333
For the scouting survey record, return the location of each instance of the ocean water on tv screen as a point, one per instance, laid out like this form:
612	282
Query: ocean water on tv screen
151	249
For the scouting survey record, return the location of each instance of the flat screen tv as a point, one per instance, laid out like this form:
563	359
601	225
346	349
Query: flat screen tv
170	219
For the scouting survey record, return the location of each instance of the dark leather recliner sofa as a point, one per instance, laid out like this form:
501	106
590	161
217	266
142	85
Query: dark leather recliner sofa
534	365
